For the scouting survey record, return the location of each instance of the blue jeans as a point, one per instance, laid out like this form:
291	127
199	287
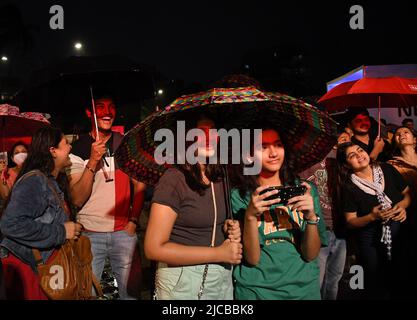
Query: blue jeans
332	262
119	247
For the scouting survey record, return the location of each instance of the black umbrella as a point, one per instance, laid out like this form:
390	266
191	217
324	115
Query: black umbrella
63	89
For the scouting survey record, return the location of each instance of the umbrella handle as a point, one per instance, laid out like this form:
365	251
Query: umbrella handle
93	104
379	116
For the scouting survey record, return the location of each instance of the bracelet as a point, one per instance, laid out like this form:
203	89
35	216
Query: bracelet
313	222
91	170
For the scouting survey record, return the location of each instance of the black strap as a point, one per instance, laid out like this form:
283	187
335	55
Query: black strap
117	140
227	192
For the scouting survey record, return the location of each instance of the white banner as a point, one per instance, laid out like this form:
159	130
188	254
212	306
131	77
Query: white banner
395	115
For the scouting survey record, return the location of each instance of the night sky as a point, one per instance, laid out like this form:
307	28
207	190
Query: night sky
201	41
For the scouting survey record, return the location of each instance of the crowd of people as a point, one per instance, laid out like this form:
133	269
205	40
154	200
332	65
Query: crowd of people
209	242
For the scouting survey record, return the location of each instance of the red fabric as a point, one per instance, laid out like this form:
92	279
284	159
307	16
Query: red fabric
11	178
122	201
394	92
20	281
18	126
138	201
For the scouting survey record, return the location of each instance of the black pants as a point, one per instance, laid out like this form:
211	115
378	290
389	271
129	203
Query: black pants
407	262
380	275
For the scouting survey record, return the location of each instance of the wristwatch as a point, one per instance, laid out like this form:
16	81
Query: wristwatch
314	222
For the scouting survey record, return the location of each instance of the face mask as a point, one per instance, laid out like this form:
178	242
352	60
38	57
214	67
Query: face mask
19	158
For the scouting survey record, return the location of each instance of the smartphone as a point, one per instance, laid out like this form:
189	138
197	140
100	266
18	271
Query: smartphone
285	192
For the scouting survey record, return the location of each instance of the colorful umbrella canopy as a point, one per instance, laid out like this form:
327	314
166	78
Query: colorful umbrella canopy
16	126
309	132
393	91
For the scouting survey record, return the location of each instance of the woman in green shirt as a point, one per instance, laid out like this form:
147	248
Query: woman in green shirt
280	242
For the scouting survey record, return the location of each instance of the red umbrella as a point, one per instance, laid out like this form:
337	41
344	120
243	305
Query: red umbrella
15	126
390	92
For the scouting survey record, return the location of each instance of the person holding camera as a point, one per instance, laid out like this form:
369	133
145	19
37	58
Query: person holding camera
281	237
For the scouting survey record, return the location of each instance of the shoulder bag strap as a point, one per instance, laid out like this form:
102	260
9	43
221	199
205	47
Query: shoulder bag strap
213	241
36	252
226	185
38	257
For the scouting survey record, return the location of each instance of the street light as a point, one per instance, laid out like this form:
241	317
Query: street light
78	46
4	58
160	92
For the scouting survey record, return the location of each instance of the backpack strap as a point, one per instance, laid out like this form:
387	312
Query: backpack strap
117	140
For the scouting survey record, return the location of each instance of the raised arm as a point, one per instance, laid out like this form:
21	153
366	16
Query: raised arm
159	248
311	243
257	206
81	182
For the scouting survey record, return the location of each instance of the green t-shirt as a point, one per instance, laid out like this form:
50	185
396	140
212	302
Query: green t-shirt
281	273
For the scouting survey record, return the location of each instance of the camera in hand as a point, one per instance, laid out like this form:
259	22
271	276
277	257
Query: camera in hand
285	193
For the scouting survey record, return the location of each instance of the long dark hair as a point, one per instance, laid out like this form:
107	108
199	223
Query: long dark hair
39	156
247	184
192	172
343	171
394	147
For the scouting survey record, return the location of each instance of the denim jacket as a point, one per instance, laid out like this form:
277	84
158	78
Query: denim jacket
33	218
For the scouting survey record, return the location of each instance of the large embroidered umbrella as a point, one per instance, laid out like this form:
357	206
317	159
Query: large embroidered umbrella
309	132
16	126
